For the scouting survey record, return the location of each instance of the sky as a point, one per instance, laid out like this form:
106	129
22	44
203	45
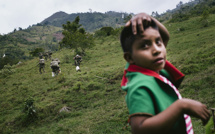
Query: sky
17	14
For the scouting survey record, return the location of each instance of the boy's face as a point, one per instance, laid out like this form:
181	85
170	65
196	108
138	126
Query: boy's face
148	51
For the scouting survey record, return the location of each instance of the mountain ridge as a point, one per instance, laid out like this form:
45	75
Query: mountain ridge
90	21
59	14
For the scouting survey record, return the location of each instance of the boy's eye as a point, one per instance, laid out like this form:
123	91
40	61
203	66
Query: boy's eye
158	41
144	45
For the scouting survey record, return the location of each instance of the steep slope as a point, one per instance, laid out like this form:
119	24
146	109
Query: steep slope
93	97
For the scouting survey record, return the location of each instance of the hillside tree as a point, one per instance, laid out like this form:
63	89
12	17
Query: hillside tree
155	14
180	4
204	18
36	52
127	18
13	56
75	37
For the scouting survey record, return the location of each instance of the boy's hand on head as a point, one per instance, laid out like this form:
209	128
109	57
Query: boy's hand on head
139	21
196	109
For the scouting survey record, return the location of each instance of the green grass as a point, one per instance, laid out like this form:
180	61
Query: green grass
46	37
96	102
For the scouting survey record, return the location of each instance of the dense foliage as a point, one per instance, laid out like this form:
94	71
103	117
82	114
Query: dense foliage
36	51
12	56
104	31
7	70
22	44
75	37
188	10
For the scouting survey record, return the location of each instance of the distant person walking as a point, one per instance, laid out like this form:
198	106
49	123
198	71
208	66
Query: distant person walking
41	65
77	59
58	61
55	67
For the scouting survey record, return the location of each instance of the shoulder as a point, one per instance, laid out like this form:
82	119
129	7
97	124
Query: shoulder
139	79
138	82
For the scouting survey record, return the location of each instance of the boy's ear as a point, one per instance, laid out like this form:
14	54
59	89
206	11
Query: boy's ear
128	57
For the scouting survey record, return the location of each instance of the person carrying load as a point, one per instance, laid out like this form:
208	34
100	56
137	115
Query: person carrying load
41	65
55	67
78	60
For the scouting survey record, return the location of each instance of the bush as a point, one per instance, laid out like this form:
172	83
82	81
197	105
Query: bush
13	56
104	31
117	31
7	70
179	17
205	23
30	109
36	52
181	29
204	19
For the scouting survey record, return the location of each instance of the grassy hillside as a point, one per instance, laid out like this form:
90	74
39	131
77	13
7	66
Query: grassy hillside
40	36
18	44
93	97
192	51
46	37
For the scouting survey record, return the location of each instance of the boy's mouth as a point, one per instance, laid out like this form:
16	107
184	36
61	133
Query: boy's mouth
159	60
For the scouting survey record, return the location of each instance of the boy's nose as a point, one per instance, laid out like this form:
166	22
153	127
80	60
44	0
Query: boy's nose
156	49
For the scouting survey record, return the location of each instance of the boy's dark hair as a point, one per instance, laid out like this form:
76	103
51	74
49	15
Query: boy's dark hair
127	37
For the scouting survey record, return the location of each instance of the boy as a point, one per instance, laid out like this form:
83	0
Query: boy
155	105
